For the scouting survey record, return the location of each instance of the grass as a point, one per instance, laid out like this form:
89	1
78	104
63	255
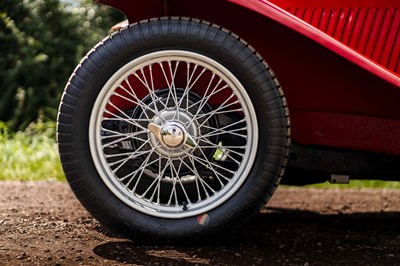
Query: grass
30	155
356	184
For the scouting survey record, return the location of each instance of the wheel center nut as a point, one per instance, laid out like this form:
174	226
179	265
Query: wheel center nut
173	135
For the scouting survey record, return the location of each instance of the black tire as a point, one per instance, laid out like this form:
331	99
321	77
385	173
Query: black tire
87	180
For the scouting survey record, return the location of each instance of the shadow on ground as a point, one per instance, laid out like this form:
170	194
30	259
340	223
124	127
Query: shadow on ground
281	237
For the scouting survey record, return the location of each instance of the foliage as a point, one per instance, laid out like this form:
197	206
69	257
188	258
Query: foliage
41	41
31	154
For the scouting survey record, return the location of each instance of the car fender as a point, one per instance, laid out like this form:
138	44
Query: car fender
326	83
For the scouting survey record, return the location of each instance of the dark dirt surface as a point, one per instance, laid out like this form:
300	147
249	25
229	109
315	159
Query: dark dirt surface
42	223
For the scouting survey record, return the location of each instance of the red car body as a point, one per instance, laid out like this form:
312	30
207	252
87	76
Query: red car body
339	66
338	61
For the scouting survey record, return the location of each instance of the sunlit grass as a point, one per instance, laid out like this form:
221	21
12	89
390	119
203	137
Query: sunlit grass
30	155
356	184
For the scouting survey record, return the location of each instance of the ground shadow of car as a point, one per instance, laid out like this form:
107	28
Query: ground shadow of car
281	237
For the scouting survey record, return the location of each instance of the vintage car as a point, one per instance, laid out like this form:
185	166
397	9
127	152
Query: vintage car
181	124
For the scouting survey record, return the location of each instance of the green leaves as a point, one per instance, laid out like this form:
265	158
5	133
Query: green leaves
41	41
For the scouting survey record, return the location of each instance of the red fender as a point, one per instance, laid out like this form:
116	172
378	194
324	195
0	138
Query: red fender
267	8
390	27
338	61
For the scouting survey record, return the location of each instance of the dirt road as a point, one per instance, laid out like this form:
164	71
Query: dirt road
41	223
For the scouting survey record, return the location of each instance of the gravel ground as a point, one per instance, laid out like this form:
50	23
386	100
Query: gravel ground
41	223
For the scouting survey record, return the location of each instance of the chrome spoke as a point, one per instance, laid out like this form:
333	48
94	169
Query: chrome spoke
174	181
133	155
222	106
157	179
228	148
122	137
202	182
126	119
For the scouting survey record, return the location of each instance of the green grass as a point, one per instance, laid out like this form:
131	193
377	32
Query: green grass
29	155
359	184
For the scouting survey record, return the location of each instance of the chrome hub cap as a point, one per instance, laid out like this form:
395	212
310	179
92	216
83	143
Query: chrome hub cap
175	138
173	135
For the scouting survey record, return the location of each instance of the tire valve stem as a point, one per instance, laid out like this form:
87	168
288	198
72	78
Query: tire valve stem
184	207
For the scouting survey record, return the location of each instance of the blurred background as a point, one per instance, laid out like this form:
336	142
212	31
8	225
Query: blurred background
41	42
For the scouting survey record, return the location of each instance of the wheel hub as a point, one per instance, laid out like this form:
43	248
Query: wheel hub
173	135
169	135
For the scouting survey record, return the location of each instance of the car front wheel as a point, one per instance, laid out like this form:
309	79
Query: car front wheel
174	129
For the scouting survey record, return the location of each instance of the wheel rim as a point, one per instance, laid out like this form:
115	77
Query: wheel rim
173	134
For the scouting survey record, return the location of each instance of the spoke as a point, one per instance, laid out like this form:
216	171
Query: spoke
197	176
215	129
205	93
153	90
140	169
222	106
213	170
149	88
220	112
158	186
202	182
228	148
186	124
210	165
173	75
174	181
117	133
128	119
227	132
157	179
118	154
233	159
153	96
204	101
206	97
188	79
190	85
130	157
122	119
138	102
206	161
132	101
123	137
134	155
182	186
220	131
222	147
171	85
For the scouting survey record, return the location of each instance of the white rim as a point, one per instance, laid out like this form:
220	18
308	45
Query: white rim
140	167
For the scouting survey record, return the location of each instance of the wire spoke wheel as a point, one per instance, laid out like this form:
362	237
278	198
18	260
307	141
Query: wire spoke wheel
173	129
171	134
